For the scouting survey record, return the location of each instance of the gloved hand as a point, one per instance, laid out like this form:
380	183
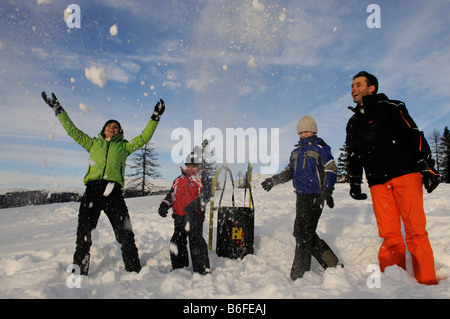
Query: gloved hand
326	193
159	110
268	184
355	192
195	210
431	179
163	209
194	207
53	103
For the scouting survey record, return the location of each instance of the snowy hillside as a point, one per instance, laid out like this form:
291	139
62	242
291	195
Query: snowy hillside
37	243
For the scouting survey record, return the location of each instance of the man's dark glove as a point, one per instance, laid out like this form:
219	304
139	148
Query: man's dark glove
430	176
326	193
159	110
53	103
355	192
431	179
163	209
268	184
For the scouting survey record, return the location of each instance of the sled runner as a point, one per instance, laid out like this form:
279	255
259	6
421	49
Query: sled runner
235	225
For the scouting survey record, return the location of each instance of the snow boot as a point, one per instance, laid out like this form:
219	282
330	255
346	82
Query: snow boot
325	256
132	264
329	259
135	266
302	261
83	265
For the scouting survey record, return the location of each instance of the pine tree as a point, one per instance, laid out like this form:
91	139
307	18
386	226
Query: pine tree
444	150
208	167
342	164
145	168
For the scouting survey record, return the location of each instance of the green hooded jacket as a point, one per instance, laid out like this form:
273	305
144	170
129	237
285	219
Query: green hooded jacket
107	158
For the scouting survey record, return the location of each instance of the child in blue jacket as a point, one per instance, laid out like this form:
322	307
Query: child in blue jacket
313	172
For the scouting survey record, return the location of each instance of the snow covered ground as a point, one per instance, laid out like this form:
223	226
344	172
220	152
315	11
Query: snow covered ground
37	243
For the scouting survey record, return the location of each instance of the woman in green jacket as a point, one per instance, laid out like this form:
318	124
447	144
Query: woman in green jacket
104	181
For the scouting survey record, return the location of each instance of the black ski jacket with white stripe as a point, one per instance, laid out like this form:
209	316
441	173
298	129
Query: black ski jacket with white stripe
383	139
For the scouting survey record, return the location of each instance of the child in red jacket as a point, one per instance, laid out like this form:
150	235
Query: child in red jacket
187	197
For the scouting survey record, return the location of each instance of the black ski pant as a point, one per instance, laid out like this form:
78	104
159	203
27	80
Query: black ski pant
307	243
97	198
189	226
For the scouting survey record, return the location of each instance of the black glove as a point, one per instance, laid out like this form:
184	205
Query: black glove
159	110
194	207
326	193
268	184
53	103
163	209
431	179
430	176
355	192
195	210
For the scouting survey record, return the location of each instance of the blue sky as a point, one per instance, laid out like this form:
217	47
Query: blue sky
229	63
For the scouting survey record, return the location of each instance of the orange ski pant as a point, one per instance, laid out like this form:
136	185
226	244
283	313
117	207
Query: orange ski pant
401	198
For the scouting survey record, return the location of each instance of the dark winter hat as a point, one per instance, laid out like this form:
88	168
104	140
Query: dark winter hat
109	122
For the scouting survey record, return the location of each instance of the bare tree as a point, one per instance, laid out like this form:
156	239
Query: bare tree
435	138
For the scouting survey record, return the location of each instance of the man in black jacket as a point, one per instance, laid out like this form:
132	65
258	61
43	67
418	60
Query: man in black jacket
383	139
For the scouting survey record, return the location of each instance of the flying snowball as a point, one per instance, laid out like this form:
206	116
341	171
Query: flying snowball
83	107
113	30
109	188
251	63
96	75
173	249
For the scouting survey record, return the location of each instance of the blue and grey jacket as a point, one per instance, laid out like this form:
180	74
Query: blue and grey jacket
311	167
